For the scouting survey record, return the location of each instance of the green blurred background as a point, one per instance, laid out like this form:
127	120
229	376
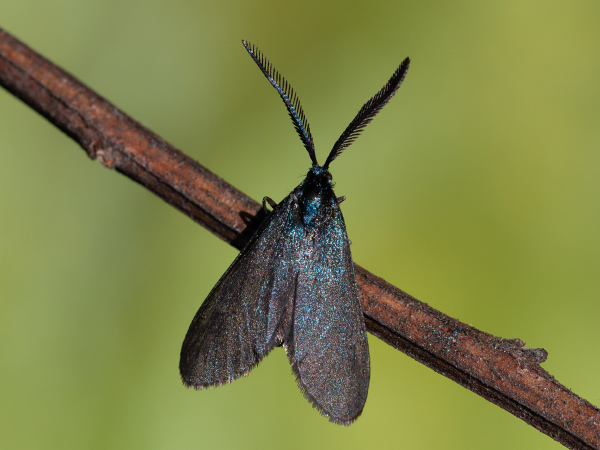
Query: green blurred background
475	190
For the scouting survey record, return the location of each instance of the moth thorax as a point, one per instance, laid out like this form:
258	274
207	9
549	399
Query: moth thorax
316	197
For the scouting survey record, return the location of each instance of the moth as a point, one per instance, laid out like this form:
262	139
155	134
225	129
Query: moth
293	285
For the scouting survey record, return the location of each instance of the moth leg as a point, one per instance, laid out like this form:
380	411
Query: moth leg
341	199
271	203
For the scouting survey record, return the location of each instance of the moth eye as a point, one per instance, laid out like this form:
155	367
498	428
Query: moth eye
328	176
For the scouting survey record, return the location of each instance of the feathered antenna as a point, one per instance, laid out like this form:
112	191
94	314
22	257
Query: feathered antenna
367	112
288	96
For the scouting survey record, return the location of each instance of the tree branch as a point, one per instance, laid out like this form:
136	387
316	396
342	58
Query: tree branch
503	371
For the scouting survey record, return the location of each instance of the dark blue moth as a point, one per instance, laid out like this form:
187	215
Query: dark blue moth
293	285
